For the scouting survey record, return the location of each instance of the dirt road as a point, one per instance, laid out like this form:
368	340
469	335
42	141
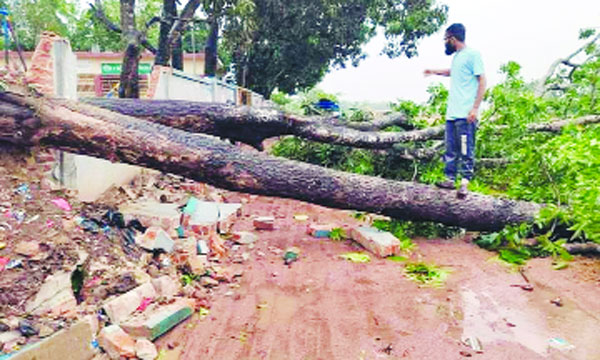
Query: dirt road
323	307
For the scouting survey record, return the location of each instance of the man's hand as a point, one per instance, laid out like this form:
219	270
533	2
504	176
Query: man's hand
472	117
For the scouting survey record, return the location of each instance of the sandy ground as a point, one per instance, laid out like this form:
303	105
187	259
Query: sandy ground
323	307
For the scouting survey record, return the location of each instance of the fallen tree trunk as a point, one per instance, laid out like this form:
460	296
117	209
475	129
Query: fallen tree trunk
85	129
588	248
252	125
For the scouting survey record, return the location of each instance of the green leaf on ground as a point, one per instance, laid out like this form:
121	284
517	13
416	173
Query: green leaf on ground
356	257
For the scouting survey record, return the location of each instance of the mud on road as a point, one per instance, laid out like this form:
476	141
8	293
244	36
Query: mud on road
323	307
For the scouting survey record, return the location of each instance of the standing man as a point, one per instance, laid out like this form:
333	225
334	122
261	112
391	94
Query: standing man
467	85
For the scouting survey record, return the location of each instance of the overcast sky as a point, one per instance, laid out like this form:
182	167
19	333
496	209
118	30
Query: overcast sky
533	33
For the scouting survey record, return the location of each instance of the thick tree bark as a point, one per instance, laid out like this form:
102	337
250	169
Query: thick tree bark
129	83
210	51
168	49
588	248
89	130
168	17
252	125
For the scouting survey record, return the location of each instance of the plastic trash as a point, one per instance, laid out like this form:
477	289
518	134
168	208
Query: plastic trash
28	328
114	218
3	262
19	216
144	304
290	256
560	344
87	224
24	191
14	263
62	204
136	225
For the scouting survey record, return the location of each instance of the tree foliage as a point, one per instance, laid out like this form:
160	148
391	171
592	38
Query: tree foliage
295	42
561	170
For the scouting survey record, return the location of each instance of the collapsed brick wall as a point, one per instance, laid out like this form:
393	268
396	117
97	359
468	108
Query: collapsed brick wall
41	72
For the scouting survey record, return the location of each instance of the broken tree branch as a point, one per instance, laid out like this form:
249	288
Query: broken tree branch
380	123
588	248
541	86
86	129
252	125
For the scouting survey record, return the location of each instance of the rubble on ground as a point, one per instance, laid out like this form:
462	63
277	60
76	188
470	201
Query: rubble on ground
114	275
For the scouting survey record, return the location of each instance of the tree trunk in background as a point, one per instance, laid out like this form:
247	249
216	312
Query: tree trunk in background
86	129
129	85
177	54
168	13
210	51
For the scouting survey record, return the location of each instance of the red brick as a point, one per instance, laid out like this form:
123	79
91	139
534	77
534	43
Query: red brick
264	223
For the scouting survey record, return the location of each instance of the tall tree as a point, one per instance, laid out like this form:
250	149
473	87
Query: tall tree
32	17
295	41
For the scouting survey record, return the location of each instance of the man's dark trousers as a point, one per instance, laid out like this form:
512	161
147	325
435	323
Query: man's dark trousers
460	148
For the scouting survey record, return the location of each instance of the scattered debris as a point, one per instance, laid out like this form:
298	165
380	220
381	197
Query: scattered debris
557	301
62	204
319	230
560	344
264	223
301	217
356	257
158	319
55	297
381	243
290	256
473	343
145	349
28	328
155	239
526	287
116	342
244	237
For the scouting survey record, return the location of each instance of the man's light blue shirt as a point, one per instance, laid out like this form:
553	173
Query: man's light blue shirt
466	67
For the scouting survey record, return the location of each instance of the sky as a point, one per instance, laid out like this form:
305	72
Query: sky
533	33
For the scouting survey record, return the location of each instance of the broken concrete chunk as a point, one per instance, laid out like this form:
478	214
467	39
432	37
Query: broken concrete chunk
155	238
197	264
244	237
158	319
145	350
203	214
152	213
165	286
264	223
28	248
116	342
74	343
54	297
120	308
381	243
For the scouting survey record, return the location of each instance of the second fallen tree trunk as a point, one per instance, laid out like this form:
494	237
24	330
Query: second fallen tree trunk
89	130
252	125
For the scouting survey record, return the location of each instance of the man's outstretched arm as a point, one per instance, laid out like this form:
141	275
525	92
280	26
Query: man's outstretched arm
443	72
